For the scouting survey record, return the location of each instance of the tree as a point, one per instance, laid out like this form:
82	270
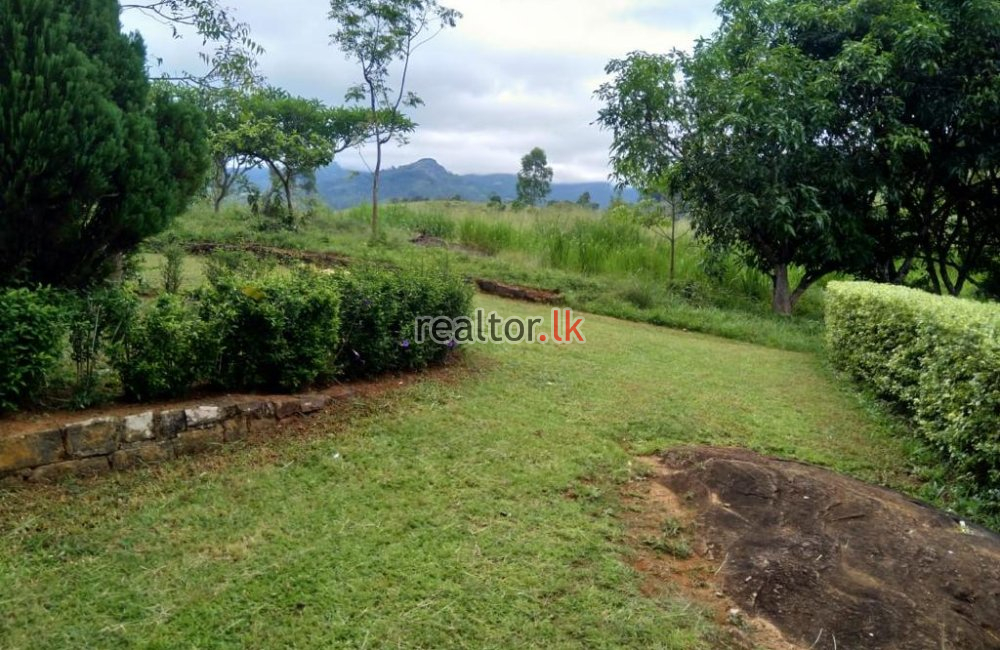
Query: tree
291	136
495	202
377	34
92	158
534	181
232	63
648	113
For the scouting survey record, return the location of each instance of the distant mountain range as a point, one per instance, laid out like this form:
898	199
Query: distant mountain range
427	179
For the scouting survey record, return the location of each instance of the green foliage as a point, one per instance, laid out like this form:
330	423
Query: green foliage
534	181
32	330
936	358
173	266
166	350
279	330
93	158
379	311
98	321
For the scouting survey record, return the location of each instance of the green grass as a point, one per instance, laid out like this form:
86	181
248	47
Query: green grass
436	516
601	262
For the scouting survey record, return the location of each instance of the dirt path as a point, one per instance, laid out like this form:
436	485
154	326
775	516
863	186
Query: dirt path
829	561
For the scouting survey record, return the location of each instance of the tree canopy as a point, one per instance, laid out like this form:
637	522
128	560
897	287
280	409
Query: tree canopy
93	158
534	181
857	137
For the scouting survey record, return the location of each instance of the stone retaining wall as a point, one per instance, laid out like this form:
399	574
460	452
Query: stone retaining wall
102	444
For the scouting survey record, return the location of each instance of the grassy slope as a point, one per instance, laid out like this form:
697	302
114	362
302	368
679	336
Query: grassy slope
444	522
617	271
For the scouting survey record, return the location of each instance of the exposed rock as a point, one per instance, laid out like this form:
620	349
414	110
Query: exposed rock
141	455
81	468
138	427
31	450
97	437
201	416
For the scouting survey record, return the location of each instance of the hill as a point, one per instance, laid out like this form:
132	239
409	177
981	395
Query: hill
428	179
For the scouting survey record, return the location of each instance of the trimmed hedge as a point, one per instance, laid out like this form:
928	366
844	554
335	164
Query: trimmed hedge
937	358
278	330
32	331
165	351
379	309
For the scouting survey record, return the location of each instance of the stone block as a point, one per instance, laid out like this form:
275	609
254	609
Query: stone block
31	450
150	453
97	437
202	416
256	410
286	408
196	441
136	428
170	423
84	467
313	403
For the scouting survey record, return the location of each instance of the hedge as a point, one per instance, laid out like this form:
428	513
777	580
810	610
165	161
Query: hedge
937	358
379	308
33	326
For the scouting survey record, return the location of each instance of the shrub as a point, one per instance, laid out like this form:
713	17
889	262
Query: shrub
32	330
937	358
379	309
165	351
173	267
279	329
97	320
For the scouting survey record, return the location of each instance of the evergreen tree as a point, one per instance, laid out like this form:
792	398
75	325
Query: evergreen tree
92	157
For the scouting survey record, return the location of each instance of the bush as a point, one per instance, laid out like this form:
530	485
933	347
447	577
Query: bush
936	358
98	320
165	351
379	308
279	330
32	331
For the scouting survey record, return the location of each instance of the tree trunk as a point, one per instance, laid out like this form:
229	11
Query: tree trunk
781	301
375	181
673	238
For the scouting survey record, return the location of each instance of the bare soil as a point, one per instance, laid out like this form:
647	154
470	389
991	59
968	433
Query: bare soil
321	259
793	555
517	292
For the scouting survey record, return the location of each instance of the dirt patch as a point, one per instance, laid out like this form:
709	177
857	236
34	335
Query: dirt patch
322	259
516	292
830	561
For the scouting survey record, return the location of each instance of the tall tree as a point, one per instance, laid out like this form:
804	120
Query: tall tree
92	158
233	60
376	34
534	181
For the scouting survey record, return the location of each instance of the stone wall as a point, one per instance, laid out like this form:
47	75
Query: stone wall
103	444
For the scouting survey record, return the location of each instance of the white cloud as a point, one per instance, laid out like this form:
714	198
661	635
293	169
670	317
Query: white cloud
513	75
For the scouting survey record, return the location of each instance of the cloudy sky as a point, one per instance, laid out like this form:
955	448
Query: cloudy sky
514	74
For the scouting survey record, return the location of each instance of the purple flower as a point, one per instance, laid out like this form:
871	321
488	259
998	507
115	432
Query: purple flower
451	344
405	344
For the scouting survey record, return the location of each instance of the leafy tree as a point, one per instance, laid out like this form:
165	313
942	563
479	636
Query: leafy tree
291	136
93	158
495	202
232	62
377	34
534	181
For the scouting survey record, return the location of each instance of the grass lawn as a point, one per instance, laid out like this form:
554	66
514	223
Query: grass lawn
480	510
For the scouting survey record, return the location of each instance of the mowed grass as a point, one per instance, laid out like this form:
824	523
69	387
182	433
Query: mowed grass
476	510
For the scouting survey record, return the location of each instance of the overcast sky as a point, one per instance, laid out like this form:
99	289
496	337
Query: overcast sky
514	74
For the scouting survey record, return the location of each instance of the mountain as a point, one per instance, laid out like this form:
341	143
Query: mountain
427	179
